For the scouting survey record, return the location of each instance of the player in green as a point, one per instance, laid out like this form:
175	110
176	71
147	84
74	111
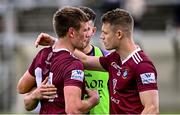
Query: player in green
93	79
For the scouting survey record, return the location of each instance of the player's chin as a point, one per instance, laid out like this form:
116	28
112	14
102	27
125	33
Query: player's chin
80	48
84	45
105	45
107	48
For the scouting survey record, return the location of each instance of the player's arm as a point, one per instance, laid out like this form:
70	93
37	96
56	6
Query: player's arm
44	91
150	100
45	40
147	85
89	62
30	102
26	83
73	102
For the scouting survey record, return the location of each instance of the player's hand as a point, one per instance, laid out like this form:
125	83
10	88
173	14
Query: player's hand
44	91
44	40
94	94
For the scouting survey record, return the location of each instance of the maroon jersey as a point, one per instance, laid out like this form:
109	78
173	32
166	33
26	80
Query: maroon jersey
127	78
63	70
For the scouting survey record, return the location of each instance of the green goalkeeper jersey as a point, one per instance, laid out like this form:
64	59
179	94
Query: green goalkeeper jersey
97	80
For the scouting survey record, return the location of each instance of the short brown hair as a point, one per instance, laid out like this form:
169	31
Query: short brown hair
89	13
119	18
68	17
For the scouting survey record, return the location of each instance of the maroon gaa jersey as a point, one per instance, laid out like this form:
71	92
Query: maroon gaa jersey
127	78
63	70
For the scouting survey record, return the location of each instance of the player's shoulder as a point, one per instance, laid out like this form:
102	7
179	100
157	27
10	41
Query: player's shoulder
67	56
67	61
139	57
142	61
76	61
71	60
73	64
46	49
44	52
141	64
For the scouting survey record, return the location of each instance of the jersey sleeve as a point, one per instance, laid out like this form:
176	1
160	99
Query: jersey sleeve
146	76
74	75
34	64
105	61
39	60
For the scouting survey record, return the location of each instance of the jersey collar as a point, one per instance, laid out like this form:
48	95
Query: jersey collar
131	54
60	49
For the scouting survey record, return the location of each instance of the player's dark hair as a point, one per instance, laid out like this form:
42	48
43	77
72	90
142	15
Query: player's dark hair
119	18
89	13
68	17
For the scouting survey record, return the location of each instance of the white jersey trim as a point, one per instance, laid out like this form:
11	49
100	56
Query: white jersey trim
61	49
135	56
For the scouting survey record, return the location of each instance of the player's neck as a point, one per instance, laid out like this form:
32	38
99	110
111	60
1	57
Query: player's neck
87	49
126	49
63	43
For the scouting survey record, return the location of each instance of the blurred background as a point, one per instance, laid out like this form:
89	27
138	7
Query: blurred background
157	31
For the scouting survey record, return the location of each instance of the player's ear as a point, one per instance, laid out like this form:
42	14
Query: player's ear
71	32
119	34
94	30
